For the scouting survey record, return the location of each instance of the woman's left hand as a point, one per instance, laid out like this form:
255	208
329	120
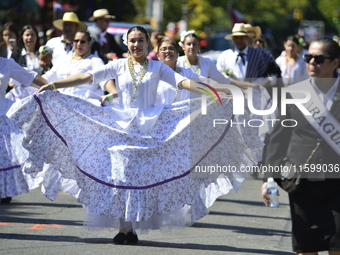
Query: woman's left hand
109	97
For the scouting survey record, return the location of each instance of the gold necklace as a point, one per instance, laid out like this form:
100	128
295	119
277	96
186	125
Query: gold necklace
141	73
198	71
77	58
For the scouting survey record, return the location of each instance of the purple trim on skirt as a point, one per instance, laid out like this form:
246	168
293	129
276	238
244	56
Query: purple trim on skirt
10	168
133	187
268	101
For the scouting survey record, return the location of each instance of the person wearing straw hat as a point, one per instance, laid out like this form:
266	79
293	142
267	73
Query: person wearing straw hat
105	45
62	45
244	62
253	34
249	64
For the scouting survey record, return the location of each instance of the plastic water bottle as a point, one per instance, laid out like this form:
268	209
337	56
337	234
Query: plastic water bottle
272	190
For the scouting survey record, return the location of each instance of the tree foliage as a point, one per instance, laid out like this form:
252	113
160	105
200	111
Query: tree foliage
213	15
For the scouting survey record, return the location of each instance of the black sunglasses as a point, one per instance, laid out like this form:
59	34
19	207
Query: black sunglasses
318	59
81	41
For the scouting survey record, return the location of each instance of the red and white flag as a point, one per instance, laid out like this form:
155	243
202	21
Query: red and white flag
236	16
57	6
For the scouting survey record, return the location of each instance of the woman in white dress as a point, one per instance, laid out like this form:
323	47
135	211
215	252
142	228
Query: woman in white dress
81	61
167	94
29	59
292	65
12	155
139	166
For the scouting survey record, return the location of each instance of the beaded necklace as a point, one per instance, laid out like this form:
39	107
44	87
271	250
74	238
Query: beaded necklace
141	73
198	71
78	59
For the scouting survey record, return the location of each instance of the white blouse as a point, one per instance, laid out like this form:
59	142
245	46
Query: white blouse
8	69
166	94
207	69
293	74
147	89
68	67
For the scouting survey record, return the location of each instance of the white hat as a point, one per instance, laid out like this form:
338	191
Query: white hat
69	17
238	30
101	13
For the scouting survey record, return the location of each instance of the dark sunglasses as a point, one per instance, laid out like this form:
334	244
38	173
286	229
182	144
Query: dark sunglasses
318	59
81	41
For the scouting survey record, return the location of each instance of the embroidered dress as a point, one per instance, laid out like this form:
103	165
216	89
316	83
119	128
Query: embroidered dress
136	162
13	181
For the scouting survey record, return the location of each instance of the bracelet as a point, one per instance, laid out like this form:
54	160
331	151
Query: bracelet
53	85
110	97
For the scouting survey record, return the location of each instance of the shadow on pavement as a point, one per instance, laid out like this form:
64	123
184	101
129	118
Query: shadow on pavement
248	215
252	203
244	230
195	246
191	246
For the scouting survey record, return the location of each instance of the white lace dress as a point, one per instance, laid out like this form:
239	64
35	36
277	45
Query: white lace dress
137	163
13	181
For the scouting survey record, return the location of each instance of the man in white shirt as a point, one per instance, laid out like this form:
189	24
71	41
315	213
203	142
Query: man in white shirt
62	45
246	63
104	45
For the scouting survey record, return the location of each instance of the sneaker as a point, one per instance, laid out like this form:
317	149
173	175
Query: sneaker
120	238
6	200
131	238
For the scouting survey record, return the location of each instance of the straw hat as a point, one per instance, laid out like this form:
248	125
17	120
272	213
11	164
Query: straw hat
101	13
256	30
69	17
238	30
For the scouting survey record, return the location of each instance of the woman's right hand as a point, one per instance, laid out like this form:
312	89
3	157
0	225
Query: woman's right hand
45	87
264	194
109	97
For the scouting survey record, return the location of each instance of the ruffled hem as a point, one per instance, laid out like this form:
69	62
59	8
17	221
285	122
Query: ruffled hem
13	181
135	176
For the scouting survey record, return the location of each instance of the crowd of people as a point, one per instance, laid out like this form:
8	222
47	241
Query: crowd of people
123	131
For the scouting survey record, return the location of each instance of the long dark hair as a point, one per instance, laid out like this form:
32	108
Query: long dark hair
141	29
21	42
330	48
87	33
292	38
10	27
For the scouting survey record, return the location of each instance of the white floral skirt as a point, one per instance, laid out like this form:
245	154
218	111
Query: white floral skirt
13	181
176	169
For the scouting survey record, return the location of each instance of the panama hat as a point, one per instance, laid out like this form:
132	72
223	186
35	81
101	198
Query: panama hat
101	13
238	30
256	30
69	17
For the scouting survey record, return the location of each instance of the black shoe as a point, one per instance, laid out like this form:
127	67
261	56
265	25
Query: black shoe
120	238
131	238
6	200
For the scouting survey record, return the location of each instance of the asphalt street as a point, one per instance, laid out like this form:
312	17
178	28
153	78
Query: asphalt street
238	223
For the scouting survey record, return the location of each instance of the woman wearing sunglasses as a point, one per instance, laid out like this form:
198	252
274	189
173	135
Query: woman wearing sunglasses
291	63
313	146
81	61
134	163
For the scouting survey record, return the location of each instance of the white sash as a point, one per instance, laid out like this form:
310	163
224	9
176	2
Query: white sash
321	119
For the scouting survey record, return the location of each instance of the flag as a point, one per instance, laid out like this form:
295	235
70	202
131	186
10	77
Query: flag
41	3
57	6
236	16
